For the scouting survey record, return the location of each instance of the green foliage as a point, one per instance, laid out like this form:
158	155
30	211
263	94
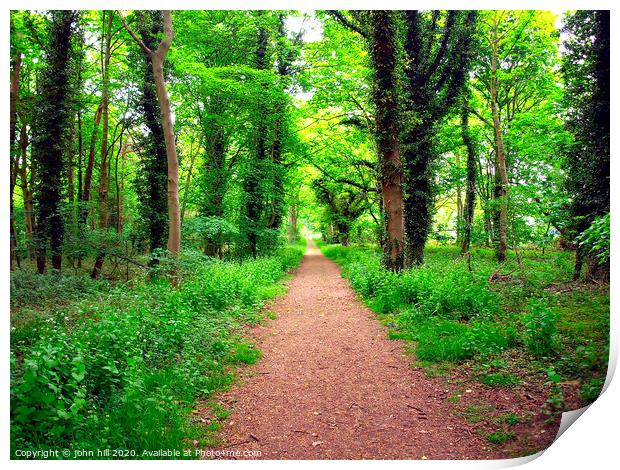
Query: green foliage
126	374
540	328
595	240
591	389
210	230
585	70
458	317
434	290
47	290
499	379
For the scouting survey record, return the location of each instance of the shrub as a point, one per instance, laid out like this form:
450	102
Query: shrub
540	328
595	240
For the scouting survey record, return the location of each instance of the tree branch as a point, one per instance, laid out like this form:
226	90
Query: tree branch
134	36
343	20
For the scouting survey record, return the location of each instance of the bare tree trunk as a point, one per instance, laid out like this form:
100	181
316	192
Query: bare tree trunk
174	215
386	104
500	156
157	61
120	191
459	206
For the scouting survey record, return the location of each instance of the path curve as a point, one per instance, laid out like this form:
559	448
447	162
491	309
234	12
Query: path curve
330	385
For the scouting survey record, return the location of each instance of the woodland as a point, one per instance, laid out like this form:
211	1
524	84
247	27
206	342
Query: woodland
168	168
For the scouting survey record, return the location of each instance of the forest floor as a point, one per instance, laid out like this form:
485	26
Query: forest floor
331	385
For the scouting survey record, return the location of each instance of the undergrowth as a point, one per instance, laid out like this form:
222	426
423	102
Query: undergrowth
123	368
454	316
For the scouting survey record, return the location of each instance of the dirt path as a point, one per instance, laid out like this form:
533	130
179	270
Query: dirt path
330	385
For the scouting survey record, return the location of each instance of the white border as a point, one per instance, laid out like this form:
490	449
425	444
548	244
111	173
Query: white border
590	443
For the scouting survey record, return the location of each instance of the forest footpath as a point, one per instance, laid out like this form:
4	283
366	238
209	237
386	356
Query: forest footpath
331	385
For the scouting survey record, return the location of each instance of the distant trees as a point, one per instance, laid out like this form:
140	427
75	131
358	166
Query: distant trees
585	68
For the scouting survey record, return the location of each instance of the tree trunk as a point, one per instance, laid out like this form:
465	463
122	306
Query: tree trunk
252	183
14	155
88	177
459	206
188	180
120	190
386	103
103	173
49	128
174	214
470	190
292	223
71	164
26	185
418	198
500	155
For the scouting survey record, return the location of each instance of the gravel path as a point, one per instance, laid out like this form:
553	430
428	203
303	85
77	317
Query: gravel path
330	385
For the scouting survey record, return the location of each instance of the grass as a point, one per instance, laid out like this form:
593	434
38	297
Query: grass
500	437
456	317
125	366
499	379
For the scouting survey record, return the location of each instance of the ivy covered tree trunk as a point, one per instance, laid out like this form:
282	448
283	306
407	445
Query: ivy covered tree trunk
438	48
154	162
158	57
50	127
215	176
88	177
385	97
27	190
254	197
418	195
174	214
153	180
284	60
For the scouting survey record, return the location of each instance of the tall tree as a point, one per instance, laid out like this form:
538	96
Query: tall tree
157	57
384	58
513	78
586	74
253	184
50	126
152	180
438	50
